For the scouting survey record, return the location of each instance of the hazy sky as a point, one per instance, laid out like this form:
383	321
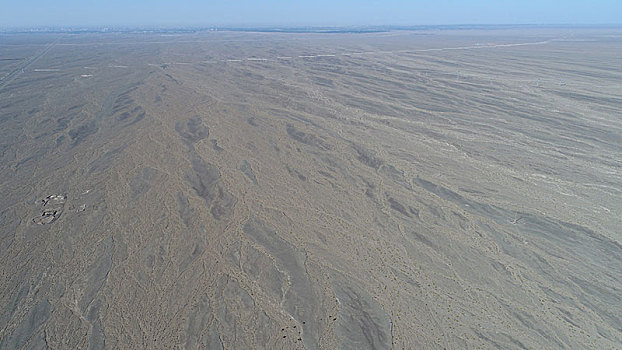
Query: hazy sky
20	13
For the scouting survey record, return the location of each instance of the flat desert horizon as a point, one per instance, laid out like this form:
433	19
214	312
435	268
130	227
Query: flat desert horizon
433	189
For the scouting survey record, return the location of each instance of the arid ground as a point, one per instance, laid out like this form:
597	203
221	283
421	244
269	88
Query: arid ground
437	189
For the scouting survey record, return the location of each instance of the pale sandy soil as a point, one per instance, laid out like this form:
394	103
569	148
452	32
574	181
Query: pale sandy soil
435	190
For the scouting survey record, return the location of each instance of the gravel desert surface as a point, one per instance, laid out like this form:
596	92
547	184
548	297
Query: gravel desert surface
439	189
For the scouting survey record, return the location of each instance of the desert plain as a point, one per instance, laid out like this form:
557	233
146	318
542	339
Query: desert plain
431	189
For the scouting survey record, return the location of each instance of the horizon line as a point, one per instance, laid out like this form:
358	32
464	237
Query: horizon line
286	28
